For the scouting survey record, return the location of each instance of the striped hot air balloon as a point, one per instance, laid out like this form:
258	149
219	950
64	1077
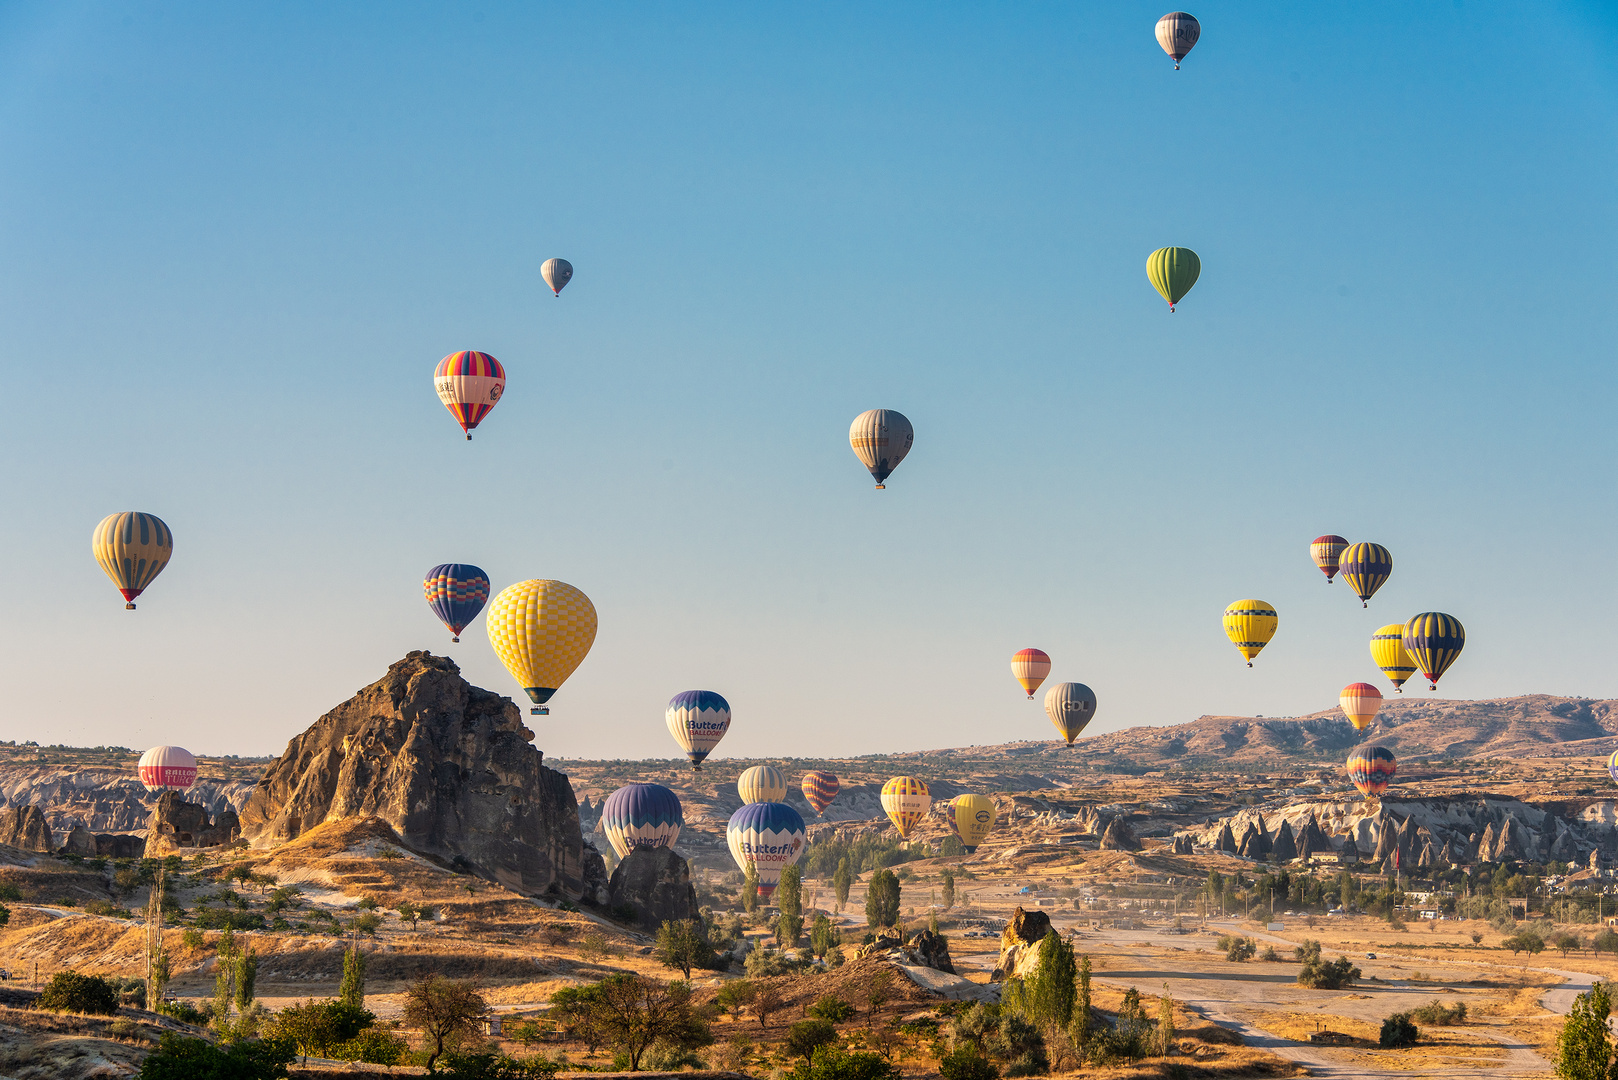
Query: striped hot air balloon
1172	271
469	383
1071	706
1434	640
456	592
1365	567
1612	766
762	783
971	817
698	719
1360	702
769	837
1325	551
641	816
167	768
1029	667
1371	769
1250	624
557	273
820	788
541	630
1178	32
132	548
1388	653
906	801
881	438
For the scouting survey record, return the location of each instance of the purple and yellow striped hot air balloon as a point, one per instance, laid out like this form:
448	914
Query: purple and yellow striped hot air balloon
1371	769
820	788
456	592
469	383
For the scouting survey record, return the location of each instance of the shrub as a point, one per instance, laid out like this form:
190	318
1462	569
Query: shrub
834	1062
494	1067
832	1008
1398	1031
10	891
807	1036
1438	1014
734	995
1237	948
966	1063
179	1058
1269	955
374	1046
68	991
1524	941
1118	1046
316	1027
183	1011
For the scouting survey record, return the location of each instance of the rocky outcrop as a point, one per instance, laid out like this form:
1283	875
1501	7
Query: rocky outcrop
1312	839
80	841
931	950
1118	836
177	824
1182	845
1284	849
447	765
24	827
654	883
1226	841
1255	842
1019	944
120	845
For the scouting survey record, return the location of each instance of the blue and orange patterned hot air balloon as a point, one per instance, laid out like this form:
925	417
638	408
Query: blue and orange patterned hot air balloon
469	383
1365	567
820	788
1371	769
1325	551
456	592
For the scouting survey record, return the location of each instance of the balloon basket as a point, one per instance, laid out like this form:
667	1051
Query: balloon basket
129	606
539	710
468	436
455	639
882	487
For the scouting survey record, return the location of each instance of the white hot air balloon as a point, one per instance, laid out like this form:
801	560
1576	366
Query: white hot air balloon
167	768
557	273
1178	32
881	438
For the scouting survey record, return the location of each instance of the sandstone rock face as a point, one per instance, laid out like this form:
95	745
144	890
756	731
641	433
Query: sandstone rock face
25	827
120	846
1019	944
448	765
176	824
1118	836
931	950
1283	849
80	841
656	882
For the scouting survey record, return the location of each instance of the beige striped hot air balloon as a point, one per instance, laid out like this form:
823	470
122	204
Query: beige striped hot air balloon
133	548
881	438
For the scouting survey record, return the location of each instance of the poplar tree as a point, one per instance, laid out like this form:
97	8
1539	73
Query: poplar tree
789	899
351	991
841	881
947	879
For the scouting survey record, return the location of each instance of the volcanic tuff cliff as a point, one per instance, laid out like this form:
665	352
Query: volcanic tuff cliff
447	765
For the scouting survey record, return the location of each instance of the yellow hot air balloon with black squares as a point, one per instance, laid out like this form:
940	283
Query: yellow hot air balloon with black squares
1250	624
541	630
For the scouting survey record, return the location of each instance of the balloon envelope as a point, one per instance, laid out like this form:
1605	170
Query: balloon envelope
881	438
1250	624
541	630
1172	271
1612	766
641	815
167	768
1325	551
469	383
1371	769
698	719
1360	702
1029	667
906	801
762	783
557	273
1434	640
1070	705
132	548
971	816
1388	653
820	788
1365	567
769	837
1178	32
456	592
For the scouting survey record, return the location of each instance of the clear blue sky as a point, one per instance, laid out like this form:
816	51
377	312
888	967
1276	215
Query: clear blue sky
238	238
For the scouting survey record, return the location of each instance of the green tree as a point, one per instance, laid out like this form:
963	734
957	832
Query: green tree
789	899
823	936
682	944
882	899
841	881
1398	1031
1524	941
1165	1023
630	1013
407	911
1565	943
442	1010
68	991
316	1027
835	1062
946	881
351	991
224	989
1079	1030
807	1036
1584	1047
1047	996
750	889
735	995
1606	941
246	978
5	914
179	1058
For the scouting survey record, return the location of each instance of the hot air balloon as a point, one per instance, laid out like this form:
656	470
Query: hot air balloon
132	548
769	837
1612	766
762	783
456	592
1434	640
971	816
1250	624
1029	667
1365	567
1388	653
1177	32
1172	271
820	788
1371	768
1070	706
1360	702
167	768
698	719
541	630
906	801
469	384
881	438
641	816
557	273
1325	551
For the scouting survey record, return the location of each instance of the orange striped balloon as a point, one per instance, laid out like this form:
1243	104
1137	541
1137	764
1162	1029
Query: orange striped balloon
1029	667
1360	702
820	788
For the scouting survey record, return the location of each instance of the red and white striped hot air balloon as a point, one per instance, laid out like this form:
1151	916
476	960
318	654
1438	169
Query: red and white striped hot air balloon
168	768
1029	667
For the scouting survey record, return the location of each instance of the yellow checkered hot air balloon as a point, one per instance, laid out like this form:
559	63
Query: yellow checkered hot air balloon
1388	653
906	801
1250	624
541	630
132	548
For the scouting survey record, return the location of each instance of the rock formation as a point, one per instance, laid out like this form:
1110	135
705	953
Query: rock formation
25	827
1118	836
447	765
1182	845
1284	849
1226	841
931	950
1312	839
80	841
120	845
1255	842
655	883
1019	944
176	824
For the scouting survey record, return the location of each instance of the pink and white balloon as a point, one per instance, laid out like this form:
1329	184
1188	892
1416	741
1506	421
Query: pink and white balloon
168	768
